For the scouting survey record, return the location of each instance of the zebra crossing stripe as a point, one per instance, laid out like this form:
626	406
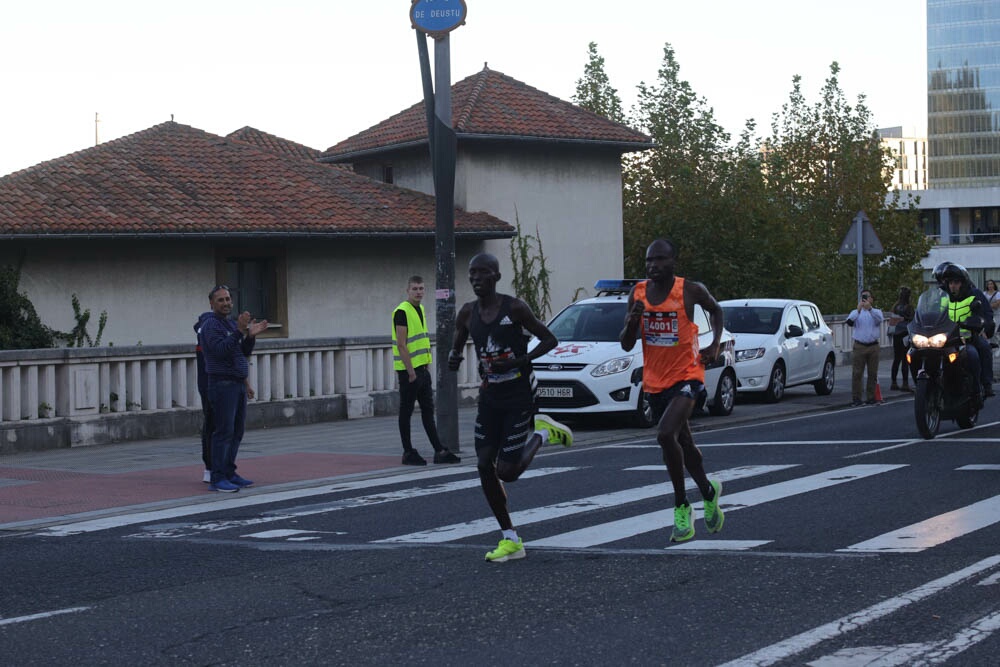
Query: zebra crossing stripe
804	641
933	531
251	498
645	523
459	531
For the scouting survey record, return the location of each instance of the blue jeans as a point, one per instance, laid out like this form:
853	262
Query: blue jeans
229	409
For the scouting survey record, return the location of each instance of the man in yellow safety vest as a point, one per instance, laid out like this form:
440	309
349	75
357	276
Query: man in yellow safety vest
411	356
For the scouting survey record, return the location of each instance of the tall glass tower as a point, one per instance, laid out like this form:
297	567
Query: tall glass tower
963	93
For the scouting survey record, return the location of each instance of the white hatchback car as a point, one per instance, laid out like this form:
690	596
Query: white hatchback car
780	343
588	372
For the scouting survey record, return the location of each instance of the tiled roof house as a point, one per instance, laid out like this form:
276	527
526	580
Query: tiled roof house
524	156
144	225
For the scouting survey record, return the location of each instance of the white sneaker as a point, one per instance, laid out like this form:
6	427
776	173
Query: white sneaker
207	477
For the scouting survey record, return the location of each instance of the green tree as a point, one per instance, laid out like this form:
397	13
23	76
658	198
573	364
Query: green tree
20	326
594	91
822	164
674	189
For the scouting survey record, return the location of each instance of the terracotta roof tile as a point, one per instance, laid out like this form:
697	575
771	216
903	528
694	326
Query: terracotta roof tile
175	179
490	103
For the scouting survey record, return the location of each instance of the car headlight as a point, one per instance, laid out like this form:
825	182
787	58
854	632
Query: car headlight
749	355
612	366
937	340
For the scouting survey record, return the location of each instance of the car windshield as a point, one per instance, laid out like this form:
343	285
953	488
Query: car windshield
752	319
591	322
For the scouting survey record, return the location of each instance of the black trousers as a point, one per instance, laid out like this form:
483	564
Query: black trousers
419	391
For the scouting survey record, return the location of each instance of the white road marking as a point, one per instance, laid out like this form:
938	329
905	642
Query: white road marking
761	443
645	523
349	503
719	545
980	466
237	501
792	646
913	655
323	508
459	531
276	534
949	437
44	614
991	580
934	531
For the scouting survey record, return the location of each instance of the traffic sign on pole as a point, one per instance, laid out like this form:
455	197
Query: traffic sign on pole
861	240
437	17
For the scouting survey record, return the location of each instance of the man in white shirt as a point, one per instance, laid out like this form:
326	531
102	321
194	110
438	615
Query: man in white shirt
866	320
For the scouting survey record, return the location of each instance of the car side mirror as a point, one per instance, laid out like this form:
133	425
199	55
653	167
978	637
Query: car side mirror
793	331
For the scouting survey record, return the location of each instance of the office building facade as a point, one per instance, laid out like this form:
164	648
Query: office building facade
963	93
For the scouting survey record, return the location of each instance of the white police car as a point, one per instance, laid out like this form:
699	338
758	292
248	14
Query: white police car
588	372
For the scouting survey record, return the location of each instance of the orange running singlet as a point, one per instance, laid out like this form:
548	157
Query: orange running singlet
669	341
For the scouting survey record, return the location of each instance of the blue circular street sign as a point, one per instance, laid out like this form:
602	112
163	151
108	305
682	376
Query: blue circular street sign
437	17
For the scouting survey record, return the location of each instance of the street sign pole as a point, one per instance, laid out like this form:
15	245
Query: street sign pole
437	18
861	259
861	240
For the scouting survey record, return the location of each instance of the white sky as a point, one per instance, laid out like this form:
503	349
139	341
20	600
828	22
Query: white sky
319	71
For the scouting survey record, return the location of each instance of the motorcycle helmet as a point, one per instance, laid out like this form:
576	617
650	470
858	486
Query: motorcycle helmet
946	271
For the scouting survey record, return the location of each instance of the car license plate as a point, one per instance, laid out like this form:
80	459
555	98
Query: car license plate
555	392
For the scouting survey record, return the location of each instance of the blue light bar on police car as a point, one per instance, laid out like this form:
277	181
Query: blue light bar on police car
613	285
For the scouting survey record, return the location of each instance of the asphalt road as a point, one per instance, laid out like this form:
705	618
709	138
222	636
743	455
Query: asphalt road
848	539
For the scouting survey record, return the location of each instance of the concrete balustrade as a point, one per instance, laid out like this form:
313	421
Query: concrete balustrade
81	396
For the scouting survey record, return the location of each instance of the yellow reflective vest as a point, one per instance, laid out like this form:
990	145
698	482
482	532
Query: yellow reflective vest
959	311
418	342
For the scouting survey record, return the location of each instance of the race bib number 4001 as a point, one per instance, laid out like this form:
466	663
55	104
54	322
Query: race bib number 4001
660	329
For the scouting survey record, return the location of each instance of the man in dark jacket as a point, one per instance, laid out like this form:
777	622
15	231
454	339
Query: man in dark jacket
207	425
225	344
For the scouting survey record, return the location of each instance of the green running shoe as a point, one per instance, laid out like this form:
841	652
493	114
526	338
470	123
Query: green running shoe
559	434
714	518
683	528
505	551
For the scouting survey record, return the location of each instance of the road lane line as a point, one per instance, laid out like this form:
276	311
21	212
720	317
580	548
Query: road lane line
190	529
933	531
646	523
244	499
792	646
459	531
44	614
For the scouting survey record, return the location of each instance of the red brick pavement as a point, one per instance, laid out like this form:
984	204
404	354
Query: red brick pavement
38	493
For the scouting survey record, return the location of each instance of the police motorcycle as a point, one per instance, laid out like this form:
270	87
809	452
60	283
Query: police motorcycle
945	387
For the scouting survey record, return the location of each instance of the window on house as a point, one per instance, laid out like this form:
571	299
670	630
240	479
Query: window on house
387	176
256	282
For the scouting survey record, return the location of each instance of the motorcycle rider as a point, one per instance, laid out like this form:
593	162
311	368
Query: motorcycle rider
968	306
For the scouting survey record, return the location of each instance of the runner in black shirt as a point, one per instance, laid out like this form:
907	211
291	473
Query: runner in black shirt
505	440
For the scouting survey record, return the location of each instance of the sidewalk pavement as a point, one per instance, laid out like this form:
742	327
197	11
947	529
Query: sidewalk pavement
50	487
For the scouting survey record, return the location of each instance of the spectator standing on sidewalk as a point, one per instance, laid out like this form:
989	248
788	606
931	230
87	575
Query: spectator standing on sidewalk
899	319
661	312
411	357
866	321
508	432
207	423
226	345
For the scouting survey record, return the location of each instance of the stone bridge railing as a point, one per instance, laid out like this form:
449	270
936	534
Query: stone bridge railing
76	396
81	396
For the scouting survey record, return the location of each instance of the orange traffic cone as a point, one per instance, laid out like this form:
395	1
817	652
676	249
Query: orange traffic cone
878	392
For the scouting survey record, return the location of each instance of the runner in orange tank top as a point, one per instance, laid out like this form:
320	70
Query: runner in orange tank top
661	309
